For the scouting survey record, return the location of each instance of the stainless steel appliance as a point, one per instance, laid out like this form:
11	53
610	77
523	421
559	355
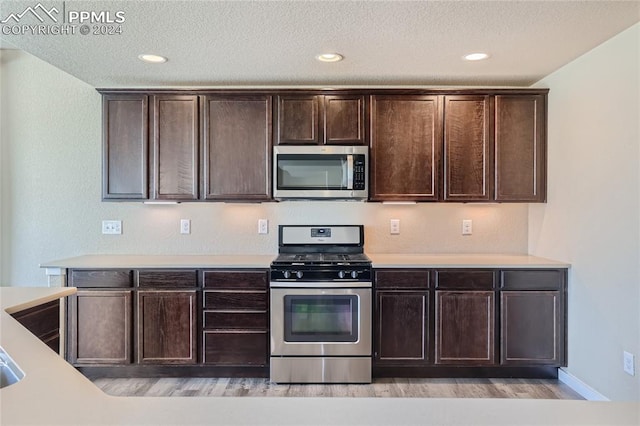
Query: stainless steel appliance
321	306
320	172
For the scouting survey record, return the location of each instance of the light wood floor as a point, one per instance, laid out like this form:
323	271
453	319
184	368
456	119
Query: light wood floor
394	387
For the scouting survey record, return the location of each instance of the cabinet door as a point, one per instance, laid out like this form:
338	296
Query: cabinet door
167	327
467	148
465	327
406	142
520	145
401	327
532	328
125	147
174	126
100	327
237	147
298	117
344	120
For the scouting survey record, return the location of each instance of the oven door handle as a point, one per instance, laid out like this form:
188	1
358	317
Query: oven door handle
320	284
349	171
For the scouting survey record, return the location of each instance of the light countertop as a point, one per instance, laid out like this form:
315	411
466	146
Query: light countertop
404	260
54	393
161	261
380	260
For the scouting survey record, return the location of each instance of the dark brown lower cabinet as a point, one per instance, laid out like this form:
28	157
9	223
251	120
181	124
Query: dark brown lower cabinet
235	318
44	322
402	324
100	326
167	327
236	348
531	328
465	327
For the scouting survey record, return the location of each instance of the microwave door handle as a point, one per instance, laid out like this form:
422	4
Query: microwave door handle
349	171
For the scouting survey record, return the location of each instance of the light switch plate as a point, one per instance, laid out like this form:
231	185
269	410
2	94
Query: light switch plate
185	226
112	227
394	226
629	361
263	226
467	227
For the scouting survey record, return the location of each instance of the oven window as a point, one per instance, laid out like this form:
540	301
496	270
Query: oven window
322	318
312	172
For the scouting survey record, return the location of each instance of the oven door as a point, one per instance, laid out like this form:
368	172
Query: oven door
321	321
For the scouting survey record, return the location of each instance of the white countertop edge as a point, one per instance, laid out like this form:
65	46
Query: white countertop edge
35	296
379	260
261	261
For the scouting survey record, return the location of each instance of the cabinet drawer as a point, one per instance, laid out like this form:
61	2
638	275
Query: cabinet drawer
465	279
168	278
235	348
235	300
254	280
101	278
235	320
546	279
410	279
43	320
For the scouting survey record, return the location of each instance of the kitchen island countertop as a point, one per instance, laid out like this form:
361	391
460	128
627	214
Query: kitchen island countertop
54	393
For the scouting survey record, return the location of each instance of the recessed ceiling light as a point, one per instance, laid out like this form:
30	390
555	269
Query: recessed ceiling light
329	57
152	59
475	56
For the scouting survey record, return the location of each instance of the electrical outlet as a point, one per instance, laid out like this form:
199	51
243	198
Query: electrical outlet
185	226
467	227
628	363
394	226
263	226
112	227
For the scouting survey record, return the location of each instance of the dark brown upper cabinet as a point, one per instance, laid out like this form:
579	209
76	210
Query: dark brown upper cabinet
520	148
468	148
467	145
175	141
237	147
125	146
406	146
308	119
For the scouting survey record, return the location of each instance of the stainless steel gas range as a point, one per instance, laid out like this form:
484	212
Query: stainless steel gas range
321	306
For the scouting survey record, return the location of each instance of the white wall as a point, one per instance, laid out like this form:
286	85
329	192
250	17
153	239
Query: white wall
592	218
52	207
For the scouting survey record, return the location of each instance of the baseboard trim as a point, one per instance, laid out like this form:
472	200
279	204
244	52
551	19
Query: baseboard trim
586	391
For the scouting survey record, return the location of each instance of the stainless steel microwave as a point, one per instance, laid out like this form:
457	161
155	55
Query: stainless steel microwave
320	172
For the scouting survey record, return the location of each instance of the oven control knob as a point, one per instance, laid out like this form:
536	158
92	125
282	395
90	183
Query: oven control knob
354	274
299	274
286	274
341	274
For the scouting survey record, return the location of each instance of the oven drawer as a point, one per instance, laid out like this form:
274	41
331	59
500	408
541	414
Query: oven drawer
235	320
235	300
235	348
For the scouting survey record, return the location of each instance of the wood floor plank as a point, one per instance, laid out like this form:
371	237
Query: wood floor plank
380	388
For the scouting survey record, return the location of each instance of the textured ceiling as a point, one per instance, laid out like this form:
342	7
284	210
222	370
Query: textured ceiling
273	43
